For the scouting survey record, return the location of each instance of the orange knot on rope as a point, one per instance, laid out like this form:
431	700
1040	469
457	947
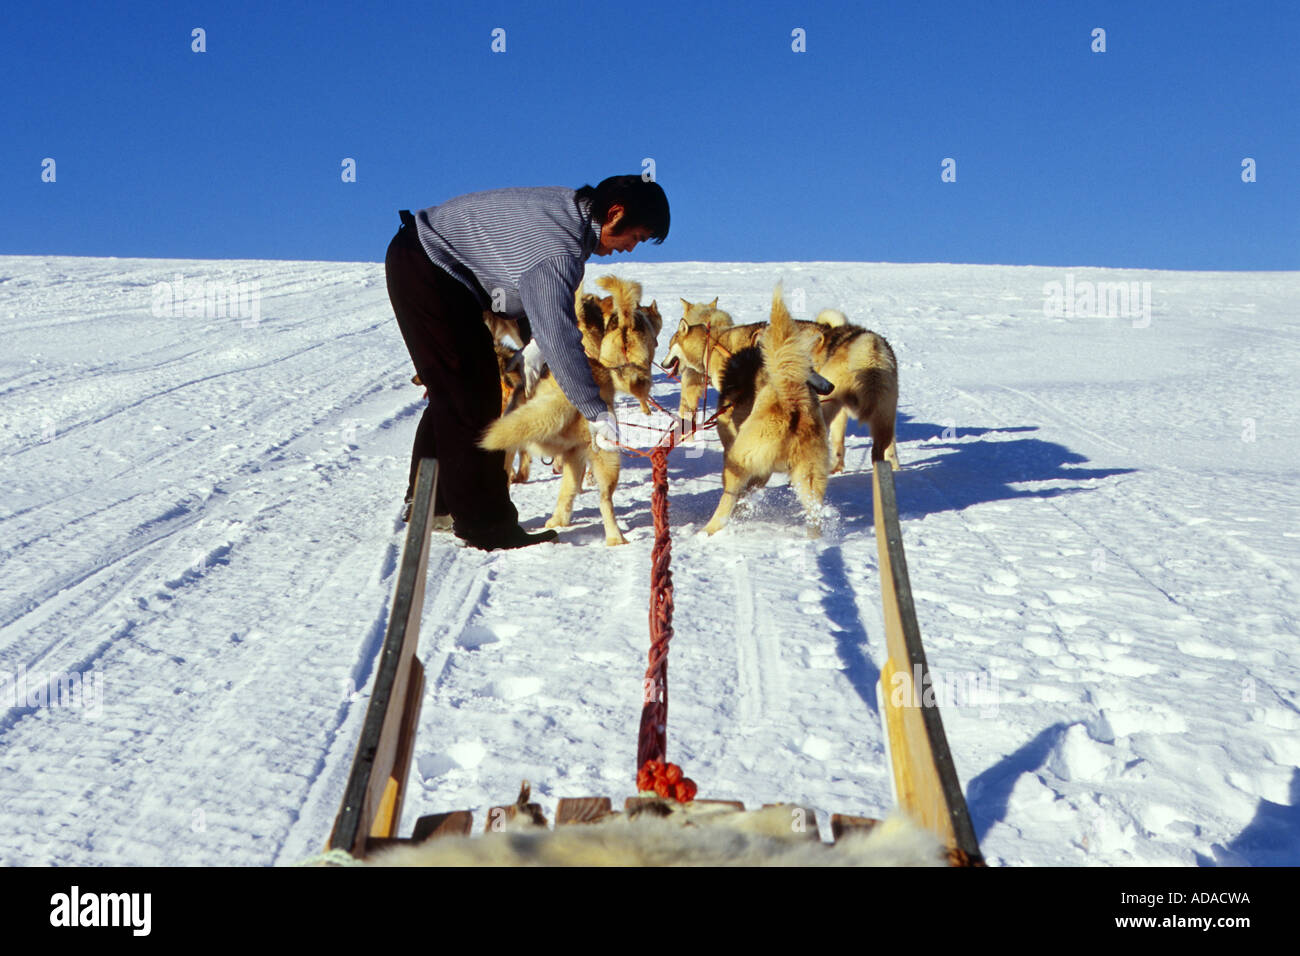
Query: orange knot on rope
665	780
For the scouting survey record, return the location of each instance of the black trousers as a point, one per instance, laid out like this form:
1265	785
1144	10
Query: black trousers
452	349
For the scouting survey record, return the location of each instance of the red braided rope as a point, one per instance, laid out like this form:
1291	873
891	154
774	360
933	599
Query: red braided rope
652	741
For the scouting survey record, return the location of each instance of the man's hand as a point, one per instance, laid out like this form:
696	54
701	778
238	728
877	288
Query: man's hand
604	432
534	366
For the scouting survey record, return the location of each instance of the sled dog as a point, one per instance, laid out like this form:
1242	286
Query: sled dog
863	369
776	417
694	382
550	425
705	338
512	396
505	330
858	363
621	334
510	368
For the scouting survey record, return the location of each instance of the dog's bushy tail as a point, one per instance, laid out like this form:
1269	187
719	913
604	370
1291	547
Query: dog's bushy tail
786	405
543	416
787	357
627	296
833	318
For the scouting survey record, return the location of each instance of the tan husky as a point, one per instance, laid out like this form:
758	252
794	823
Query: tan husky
510	369
856	361
551	425
621	334
694	381
863	369
505	330
716	340
777	418
617	331
699	313
512	395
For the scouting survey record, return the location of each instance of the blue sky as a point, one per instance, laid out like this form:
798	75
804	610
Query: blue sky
1065	157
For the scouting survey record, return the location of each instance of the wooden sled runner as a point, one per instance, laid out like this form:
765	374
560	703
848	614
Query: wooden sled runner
926	786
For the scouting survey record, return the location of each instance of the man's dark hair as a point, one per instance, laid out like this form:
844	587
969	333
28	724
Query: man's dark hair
643	202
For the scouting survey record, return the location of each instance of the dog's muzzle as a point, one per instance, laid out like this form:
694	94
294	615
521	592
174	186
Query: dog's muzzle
820	385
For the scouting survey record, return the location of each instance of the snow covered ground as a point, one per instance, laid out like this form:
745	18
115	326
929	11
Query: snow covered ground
199	529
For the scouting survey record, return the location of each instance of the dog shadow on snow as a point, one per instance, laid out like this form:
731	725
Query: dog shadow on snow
942	470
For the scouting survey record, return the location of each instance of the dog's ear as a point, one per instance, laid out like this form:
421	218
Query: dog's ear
714	303
656	320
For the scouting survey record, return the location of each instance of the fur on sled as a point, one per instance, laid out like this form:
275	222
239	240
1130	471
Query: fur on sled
688	835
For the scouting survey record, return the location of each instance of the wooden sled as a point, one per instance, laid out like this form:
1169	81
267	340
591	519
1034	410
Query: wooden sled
925	781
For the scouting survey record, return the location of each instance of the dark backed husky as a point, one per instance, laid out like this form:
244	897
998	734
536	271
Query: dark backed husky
775	416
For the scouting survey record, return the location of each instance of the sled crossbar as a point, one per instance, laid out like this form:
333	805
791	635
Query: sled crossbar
925	779
372	802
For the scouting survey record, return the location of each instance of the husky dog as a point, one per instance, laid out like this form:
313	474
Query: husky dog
617	331
699	313
593	313
863	369
621	334
694	382
512	396
700	353
776	416
703	351
503	328
549	423
857	362
705	339
510	368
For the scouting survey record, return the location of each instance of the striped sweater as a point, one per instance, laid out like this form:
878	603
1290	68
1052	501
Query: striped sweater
524	250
